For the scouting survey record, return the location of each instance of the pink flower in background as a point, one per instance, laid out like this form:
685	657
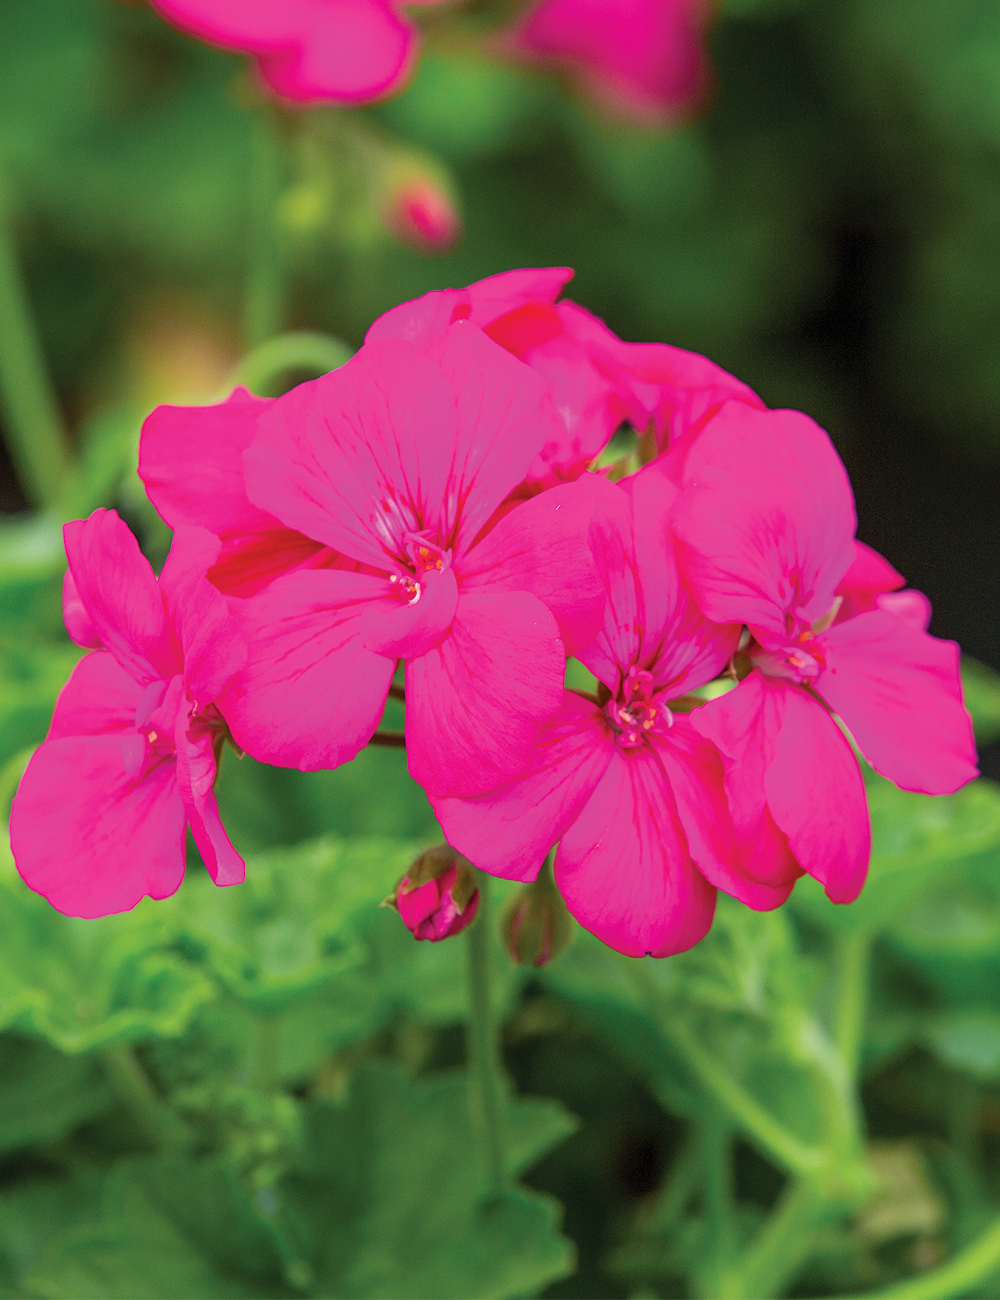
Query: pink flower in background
596	380
101	815
309	51
642	57
397	461
766	530
419	213
630	789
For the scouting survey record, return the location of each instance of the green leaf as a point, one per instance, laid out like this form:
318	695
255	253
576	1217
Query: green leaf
392	1203
32	1213
164	1228
44	1094
84	984
968	1041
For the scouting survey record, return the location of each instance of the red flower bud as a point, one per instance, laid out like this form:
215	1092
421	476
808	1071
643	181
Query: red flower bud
438	896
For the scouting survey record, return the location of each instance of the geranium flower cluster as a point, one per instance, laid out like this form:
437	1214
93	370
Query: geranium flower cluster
434	508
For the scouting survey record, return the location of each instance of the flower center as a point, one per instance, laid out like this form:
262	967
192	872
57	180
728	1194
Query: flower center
636	713
803	657
425	557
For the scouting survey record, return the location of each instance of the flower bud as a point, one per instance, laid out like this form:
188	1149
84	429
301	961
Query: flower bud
536	926
420	212
438	896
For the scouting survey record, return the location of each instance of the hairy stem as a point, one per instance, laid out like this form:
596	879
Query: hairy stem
483	1040
36	437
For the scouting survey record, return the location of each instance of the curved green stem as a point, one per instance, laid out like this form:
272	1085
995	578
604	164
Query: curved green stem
782	1246
265	365
785	1147
970	1268
485	1069
35	433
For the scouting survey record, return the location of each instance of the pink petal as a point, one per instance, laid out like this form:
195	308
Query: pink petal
900	693
75	616
911	606
310	695
694	771
508	831
421	319
743	725
504	418
766	519
255	25
99	697
816	794
350	52
402	629
91	839
624	867
118	590
210	640
542	547
644	56
498	294
359	459
249	561
650	618
191	461
477	703
196	771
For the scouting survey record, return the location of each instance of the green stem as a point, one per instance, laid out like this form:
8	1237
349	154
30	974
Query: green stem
35	433
265	365
716	1153
968	1270
263	305
158	1122
485	1069
682	1182
785	1147
854	961
782	1246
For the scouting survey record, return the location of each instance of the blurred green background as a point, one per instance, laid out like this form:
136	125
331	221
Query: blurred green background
260	1092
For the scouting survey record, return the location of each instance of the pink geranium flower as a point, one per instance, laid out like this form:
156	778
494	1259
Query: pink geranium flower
766	530
597	381
101	815
309	51
397	461
643	57
626	784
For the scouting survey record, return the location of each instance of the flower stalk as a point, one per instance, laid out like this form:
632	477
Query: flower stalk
483	1045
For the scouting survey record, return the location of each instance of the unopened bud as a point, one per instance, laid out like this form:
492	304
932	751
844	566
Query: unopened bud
438	896
420	212
536	926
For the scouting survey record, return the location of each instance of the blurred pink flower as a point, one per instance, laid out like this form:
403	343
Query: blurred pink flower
642	58
309	51
766	531
419	213
101	815
630	789
397	461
